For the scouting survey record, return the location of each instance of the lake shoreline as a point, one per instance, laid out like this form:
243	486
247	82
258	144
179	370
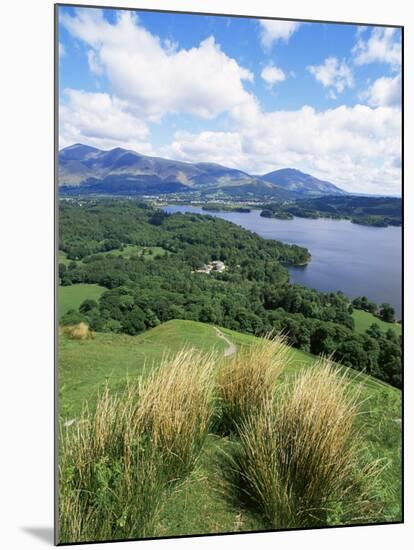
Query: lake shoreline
344	255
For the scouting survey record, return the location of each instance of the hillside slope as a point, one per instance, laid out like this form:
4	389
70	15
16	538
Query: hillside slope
86	366
300	183
86	170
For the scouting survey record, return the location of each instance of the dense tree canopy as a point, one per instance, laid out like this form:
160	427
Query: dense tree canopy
375	211
148	261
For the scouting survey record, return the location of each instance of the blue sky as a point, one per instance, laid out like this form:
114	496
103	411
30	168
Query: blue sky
253	94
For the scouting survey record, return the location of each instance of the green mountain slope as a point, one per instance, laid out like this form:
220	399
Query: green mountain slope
85	170
86	366
363	320
71	297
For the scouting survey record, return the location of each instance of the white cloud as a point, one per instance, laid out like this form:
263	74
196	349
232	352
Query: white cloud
94	63
102	121
360	30
384	92
219	147
154	77
62	51
358	148
271	75
333	74
272	31
382	46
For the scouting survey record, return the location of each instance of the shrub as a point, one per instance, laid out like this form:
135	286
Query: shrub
249	378
81	331
117	462
178	406
299	461
72	317
110	480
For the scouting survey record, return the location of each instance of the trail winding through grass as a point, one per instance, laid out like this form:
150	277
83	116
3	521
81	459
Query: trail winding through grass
232	348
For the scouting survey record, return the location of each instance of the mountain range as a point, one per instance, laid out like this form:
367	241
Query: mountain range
85	170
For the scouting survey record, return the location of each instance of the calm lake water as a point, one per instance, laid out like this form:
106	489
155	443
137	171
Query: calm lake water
356	259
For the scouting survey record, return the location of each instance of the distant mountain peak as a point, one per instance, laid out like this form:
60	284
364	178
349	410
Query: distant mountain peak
301	183
86	169
78	151
78	147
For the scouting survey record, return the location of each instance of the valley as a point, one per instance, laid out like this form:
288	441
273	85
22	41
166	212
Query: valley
229	270
343	254
138	310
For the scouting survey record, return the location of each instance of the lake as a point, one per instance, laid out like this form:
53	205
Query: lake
357	259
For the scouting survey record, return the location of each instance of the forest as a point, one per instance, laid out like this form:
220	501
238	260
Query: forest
148	260
374	211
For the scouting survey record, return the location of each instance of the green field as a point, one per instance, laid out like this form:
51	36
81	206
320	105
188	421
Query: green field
71	297
145	252
63	259
363	320
128	251
85	366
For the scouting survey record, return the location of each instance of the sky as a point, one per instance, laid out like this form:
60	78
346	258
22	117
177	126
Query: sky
252	94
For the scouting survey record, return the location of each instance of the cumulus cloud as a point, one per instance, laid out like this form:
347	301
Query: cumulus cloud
383	45
153	76
385	92
272	75
219	147
356	147
94	63
102	121
333	74
273	31
360	30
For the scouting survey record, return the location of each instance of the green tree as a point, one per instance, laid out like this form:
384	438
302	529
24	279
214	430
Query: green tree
87	305
387	313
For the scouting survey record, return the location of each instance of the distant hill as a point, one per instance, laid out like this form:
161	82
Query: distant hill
85	170
374	211
300	183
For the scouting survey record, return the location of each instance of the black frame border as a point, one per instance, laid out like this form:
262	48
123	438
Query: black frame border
57	5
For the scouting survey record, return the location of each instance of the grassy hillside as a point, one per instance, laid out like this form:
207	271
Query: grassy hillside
199	507
363	320
63	258
87	365
71	297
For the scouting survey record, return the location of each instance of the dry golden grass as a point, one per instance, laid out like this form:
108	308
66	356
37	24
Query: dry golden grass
81	331
117	462
104	460
296	456
177	405
299	460
249	378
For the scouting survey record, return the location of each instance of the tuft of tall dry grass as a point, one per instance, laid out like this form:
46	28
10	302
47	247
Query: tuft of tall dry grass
117	462
177	406
81	331
249	378
299	460
107	476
